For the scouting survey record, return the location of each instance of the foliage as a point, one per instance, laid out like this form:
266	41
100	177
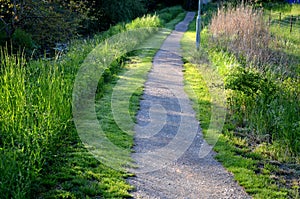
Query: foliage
268	108
48	22
52	22
153	5
123	10
22	39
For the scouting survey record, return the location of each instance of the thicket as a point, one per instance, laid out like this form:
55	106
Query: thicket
42	25
263	90
36	104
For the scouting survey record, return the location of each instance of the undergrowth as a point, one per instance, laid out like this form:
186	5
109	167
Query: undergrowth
263	94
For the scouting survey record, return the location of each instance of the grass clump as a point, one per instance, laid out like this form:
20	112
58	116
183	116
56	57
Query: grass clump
31	119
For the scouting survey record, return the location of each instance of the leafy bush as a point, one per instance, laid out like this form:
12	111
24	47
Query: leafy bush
267	106
23	40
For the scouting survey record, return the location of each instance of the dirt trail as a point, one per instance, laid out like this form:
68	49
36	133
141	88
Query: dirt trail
168	136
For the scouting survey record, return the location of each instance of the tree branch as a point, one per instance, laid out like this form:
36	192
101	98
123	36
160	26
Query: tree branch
5	27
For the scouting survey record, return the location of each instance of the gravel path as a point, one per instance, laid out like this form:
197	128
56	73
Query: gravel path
168	137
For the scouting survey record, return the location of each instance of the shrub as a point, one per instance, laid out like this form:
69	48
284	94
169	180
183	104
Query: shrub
23	40
267	106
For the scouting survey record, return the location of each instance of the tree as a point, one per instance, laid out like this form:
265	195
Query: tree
11	13
52	21
47	22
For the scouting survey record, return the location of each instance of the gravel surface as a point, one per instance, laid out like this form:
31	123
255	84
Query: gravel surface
168	137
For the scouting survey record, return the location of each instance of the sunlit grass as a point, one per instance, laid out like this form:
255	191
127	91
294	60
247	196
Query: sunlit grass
251	163
40	151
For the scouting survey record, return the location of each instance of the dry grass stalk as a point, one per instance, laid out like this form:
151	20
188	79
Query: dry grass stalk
243	31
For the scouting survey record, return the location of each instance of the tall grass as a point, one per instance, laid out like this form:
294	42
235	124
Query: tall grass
35	110
243	31
264	86
36	105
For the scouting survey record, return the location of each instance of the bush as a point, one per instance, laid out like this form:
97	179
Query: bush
167	14
267	106
23	40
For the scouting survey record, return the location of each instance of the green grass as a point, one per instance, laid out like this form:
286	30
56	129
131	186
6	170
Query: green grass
252	164
40	151
284	8
201	99
288	42
244	164
77	173
31	119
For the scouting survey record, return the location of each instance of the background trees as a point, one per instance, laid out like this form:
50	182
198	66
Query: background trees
35	24
41	24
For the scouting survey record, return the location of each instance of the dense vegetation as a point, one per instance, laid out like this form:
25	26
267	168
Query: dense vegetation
264	87
41	154
47	26
41	25
259	66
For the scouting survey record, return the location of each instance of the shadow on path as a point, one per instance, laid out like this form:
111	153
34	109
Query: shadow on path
168	137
